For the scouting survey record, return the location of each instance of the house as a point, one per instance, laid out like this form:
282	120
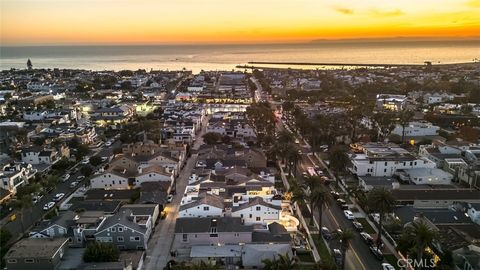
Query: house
257	211
209	205
14	175
384	160
254	255
391	102
425	176
120	178
39	155
416	129
33	254
56	227
126	230
467	258
429	197
211	231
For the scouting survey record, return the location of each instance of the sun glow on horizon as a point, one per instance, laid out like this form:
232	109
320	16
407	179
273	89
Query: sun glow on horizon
29	22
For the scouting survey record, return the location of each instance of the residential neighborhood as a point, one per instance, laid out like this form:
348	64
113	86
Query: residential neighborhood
316	169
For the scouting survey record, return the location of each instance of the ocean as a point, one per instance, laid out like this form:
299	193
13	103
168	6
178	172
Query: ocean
226	57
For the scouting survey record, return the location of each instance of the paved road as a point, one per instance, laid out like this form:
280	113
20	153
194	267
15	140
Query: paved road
158	253
36	213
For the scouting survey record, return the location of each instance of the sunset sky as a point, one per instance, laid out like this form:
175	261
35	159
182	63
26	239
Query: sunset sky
30	22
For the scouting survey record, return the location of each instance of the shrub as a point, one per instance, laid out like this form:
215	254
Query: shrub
101	252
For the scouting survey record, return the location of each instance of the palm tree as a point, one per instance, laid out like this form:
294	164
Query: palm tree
282	262
338	160
422	235
345	236
319	198
405	117
381	201
292	159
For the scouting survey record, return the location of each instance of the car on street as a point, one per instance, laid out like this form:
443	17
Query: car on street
85	161
58	197
337	255
304	175
65	177
48	206
348	214
80	177
357	225
335	194
74	184
367	238
376	252
169	198
375	217
387	266
108	143
341	201
326	233
36	199
104	159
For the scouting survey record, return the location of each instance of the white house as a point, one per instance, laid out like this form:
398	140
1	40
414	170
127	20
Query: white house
208	206
426	176
257	211
110	180
417	129
13	176
385	160
117	178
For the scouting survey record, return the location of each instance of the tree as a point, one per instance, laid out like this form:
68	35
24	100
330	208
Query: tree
212	138
405	117
5	236
101	252
345	236
416	237
319	198
384	122
24	204
95	160
381	201
204	266
338	160
282	262
86	170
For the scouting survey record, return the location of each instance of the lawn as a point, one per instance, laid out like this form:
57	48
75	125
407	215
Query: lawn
366	226
322	249
305	256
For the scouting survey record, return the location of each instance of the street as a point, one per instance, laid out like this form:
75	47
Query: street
159	254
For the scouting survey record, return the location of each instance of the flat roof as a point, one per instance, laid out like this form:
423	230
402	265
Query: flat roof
36	248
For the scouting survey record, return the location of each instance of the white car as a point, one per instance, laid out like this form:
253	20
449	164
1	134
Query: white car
80	177
169	198
387	266
349	214
48	206
108	143
85	161
73	184
58	196
65	177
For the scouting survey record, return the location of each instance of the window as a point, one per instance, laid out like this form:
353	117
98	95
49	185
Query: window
257	218
114	229
258	208
386	163
12	261
250	215
384	170
120	229
241	215
29	260
120	239
136	238
185	237
206	208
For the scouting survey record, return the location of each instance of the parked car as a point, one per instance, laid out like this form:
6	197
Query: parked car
85	161
337	254
387	266
376	252
104	159
348	214
344	207
48	206
80	177
108	143
367	238
65	177
358	226
335	194
74	184
169	198
341	201
36	199
326	233
58	197
375	217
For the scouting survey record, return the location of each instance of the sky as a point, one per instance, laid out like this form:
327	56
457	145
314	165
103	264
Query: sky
55	22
